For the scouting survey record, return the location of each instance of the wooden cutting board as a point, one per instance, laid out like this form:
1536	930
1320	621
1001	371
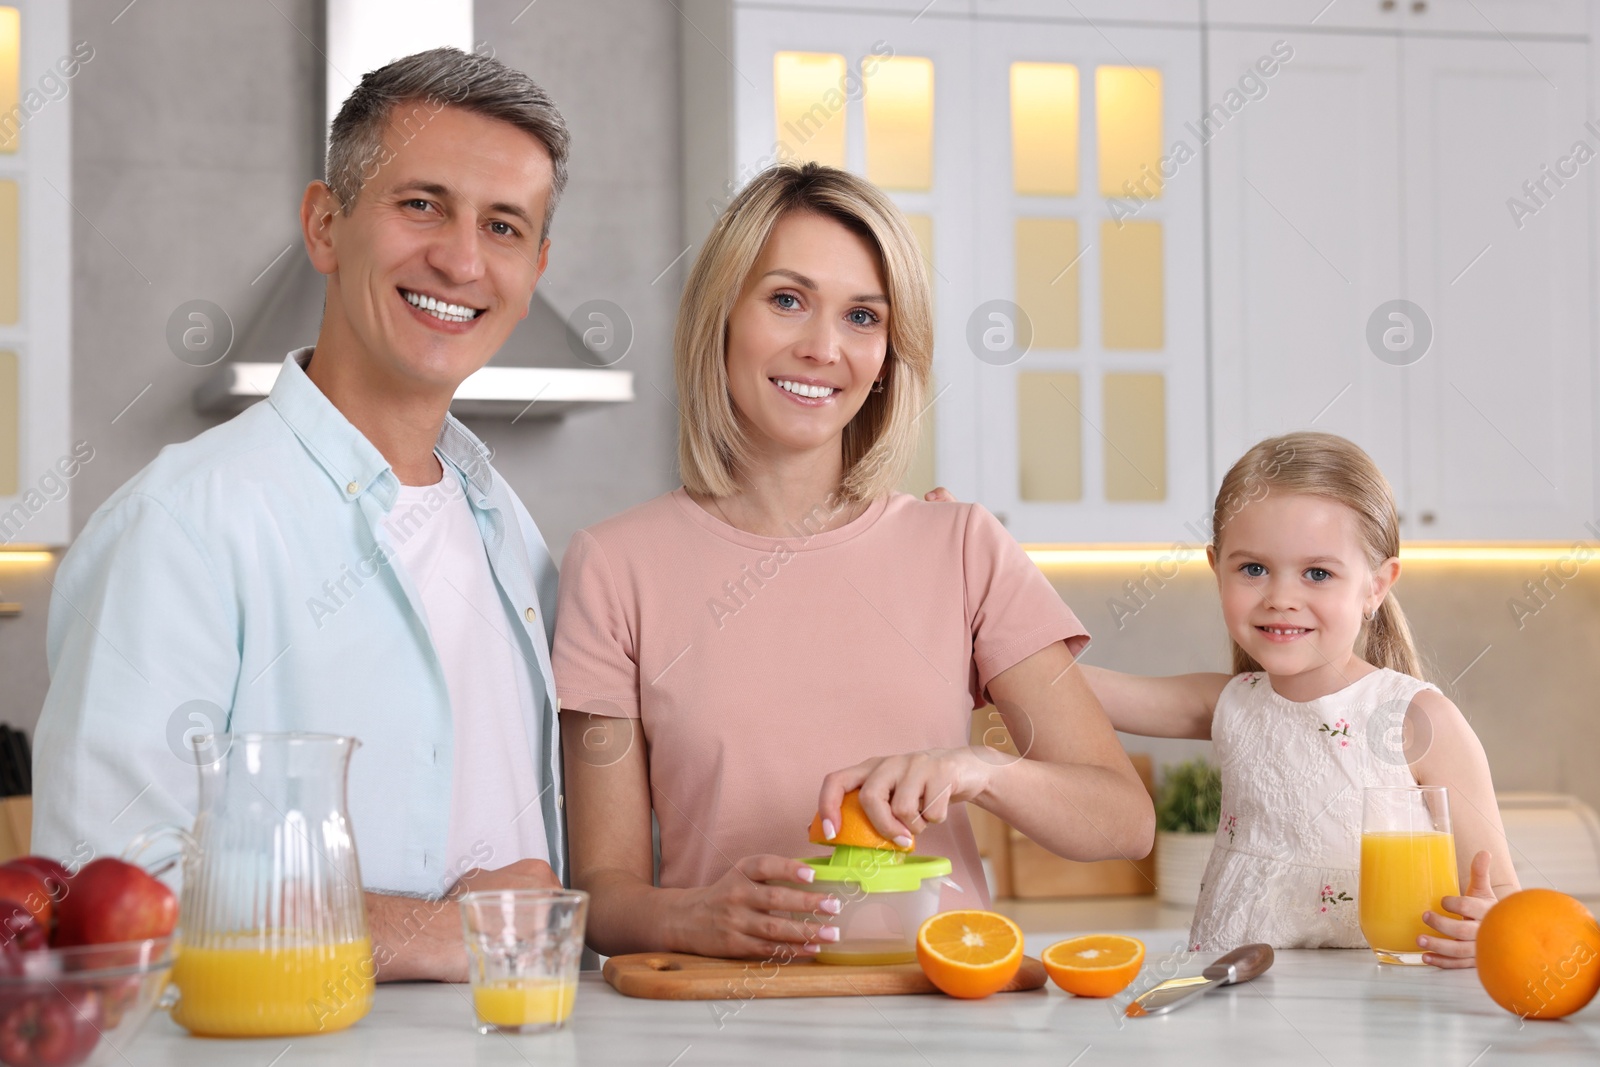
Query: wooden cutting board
678	976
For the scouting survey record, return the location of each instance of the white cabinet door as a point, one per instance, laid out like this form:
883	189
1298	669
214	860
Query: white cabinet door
1109	13
942	213
1305	240
1121	411
1494	18
1502	438
1306	16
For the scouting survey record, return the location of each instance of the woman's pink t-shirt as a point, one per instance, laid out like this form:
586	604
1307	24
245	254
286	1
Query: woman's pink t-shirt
756	665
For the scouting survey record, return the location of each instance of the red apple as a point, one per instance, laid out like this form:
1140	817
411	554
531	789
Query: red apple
55	876
28	889
58	1028
117	996
114	901
19	932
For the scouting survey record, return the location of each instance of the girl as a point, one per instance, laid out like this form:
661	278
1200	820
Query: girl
1325	699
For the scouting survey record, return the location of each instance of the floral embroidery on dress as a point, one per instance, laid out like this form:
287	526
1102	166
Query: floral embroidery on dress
1230	823
1253	679
1340	729
1330	897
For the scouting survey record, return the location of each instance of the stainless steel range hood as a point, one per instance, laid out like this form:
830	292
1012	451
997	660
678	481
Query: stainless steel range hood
534	375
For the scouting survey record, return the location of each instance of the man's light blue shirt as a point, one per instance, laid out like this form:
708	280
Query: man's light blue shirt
248	569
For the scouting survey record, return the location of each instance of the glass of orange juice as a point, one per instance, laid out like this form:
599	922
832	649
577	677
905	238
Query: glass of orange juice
1408	865
523	950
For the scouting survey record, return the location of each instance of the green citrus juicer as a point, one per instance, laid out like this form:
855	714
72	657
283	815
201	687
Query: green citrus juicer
884	896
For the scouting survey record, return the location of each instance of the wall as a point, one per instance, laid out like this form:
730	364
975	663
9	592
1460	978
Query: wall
194	134
195	129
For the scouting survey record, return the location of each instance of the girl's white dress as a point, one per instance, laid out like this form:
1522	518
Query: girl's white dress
1287	858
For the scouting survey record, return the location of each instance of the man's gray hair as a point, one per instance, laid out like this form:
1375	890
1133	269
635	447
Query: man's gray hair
427	82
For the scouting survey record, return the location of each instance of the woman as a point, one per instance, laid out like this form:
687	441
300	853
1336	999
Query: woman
738	654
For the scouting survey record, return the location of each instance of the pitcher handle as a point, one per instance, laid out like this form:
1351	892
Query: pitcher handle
187	846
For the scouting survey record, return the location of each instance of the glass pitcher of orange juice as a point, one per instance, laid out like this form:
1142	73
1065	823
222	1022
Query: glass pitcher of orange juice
272	917
1408	865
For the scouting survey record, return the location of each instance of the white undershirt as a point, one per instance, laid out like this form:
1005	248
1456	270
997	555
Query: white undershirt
495	816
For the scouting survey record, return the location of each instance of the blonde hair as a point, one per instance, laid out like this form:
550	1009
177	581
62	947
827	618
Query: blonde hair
1325	465
880	440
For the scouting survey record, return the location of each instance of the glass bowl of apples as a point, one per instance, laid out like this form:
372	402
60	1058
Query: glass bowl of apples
84	959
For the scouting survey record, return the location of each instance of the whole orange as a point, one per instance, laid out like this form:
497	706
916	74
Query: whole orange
1539	954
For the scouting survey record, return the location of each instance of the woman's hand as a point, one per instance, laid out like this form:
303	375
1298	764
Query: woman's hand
730	918
1457	948
904	795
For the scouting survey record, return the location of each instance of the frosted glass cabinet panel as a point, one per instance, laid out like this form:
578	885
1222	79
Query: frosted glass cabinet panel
35	269
10	424
1044	129
10	58
1127	103
1135	421
1050	436
10	249
899	122
809	100
1047	279
1132	285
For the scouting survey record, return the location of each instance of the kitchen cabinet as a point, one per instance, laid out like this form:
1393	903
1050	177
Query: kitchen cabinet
1204	254
1486	18
1500	434
1098	432
1035	160
1382	168
37	457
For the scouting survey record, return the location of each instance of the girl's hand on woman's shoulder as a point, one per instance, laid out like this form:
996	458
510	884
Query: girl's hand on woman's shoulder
1458	947
903	795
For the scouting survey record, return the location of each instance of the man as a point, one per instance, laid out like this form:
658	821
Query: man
343	558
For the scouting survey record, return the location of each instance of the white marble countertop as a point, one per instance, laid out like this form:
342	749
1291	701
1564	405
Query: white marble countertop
1314	1007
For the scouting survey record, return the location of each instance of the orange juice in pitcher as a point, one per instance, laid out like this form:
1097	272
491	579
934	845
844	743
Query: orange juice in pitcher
249	989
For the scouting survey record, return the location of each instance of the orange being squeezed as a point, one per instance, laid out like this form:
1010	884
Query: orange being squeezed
1404	874
269	989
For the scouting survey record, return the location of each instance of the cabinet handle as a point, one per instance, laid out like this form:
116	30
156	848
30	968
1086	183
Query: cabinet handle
1387	5
1419	6
1427	518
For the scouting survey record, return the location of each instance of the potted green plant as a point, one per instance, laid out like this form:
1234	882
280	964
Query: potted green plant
1188	809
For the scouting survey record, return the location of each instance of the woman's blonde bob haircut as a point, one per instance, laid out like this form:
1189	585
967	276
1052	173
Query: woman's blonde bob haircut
879	441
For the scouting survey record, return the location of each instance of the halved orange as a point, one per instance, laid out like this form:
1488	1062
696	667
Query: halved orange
1096	965
969	954
855	828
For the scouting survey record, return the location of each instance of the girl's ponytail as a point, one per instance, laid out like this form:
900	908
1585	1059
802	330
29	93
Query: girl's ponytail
1389	640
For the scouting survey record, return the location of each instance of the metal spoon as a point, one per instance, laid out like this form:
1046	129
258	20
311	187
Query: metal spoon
1240	965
